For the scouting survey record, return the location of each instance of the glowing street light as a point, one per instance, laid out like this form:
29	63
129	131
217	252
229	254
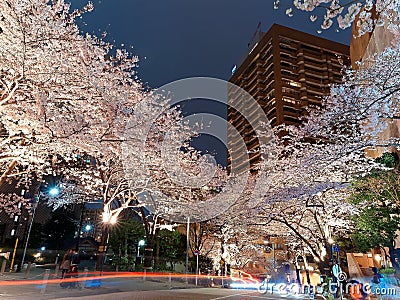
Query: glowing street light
110	217
54	191
113	219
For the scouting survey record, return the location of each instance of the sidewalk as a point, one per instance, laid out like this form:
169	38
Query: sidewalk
35	273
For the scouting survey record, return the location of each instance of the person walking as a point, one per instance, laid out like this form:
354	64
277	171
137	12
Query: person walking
75	260
66	263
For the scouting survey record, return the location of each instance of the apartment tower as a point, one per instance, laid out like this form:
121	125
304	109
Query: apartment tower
285	71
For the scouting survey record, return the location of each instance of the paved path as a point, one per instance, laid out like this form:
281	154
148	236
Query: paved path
17	286
121	287
188	294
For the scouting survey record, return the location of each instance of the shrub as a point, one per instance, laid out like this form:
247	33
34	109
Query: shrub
387	271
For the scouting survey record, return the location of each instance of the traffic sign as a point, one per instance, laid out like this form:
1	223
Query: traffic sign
196	252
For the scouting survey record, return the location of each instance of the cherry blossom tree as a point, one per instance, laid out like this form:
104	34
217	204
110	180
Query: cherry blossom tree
327	152
11	203
202	237
333	146
309	222
370	13
357	112
62	93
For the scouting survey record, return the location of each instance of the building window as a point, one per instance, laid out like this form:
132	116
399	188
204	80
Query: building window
288	100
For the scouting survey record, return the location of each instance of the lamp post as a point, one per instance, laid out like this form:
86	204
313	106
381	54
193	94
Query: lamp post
187	248
83	206
273	254
196	252
332	243
54	191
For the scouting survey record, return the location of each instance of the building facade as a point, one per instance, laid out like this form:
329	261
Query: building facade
285	71
363	48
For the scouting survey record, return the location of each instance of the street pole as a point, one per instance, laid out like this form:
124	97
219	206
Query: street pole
80	226
197	266
340	282
273	254
333	265
187	247
104	244
13	256
35	205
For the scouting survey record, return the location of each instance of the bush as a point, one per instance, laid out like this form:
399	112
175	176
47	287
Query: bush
387	271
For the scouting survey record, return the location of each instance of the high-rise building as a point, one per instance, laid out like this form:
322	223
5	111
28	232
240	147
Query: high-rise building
363	48
285	71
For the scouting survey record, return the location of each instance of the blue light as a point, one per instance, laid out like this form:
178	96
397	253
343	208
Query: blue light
54	191
240	285
88	227
42	248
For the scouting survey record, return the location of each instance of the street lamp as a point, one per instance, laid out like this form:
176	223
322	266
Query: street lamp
332	242
54	191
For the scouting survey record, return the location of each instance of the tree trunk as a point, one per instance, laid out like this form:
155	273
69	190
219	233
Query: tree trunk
308	277
148	254
298	277
392	256
10	168
324	267
157	257
102	248
7	172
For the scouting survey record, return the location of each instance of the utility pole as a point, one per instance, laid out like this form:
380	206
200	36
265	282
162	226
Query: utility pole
35	205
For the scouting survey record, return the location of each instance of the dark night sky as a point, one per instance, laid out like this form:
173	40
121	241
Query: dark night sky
176	39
